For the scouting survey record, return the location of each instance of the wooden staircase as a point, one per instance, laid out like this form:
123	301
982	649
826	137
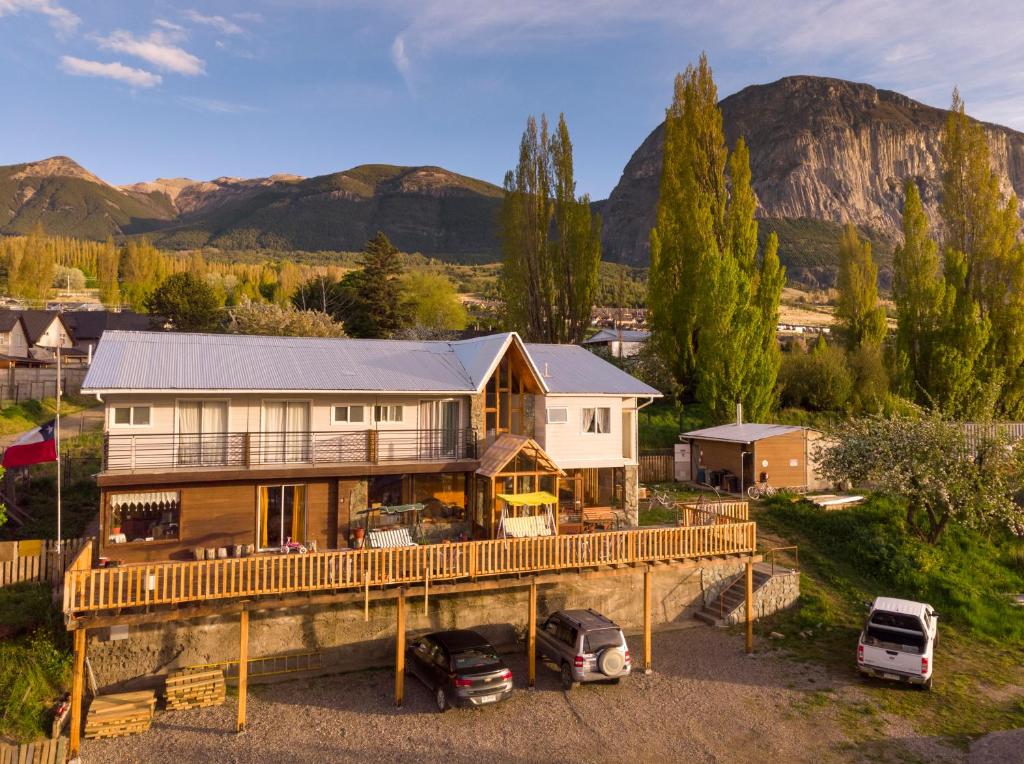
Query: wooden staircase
733	597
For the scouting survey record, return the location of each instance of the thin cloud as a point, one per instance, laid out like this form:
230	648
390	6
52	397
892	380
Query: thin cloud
114	70
157	49
400	58
216	106
61	19
217	22
170	26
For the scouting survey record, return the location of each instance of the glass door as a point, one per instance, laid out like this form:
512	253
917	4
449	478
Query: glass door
202	438
282	516
440	420
285	432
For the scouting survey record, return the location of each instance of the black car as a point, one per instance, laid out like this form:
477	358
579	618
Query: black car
460	667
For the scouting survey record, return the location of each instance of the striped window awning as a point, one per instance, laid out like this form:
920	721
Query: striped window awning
144	498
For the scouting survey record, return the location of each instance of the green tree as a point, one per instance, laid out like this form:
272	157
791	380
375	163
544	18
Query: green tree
106	274
375	307
713	296
433	304
818	380
919	293
861	317
142	268
928	460
321	293
550	241
188	302
30	274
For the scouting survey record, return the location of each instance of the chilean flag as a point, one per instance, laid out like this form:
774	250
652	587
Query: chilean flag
34	447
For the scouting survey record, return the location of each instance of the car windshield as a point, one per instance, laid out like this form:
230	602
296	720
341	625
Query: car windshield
474	658
602	638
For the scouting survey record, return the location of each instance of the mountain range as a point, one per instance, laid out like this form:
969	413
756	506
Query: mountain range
823	152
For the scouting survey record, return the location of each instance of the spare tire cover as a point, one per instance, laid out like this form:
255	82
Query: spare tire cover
611	662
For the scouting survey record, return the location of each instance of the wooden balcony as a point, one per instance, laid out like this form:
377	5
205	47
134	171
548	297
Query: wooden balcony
246	450
94	591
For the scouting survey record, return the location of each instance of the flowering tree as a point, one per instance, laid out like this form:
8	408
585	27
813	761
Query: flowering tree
944	475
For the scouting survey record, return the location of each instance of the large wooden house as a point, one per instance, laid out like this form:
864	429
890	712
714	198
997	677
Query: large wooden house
226	441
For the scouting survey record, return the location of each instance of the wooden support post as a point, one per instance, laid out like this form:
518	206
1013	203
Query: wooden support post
243	667
531	637
647	620
750	607
400	648
77	691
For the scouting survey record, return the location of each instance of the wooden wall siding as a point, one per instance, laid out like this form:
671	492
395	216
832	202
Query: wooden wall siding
47	563
91	591
222	515
781	451
716	455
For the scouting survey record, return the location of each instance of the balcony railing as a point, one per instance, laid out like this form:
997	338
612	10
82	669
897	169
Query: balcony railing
172	583
248	449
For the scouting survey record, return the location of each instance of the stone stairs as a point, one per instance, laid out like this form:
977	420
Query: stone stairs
728	607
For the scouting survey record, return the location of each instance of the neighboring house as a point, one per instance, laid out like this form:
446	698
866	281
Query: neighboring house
13	338
732	456
221	440
46	331
87	326
619	343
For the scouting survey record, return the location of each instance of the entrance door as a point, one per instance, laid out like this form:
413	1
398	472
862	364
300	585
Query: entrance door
282	515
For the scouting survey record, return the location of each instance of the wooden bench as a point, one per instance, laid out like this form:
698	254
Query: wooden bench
598	517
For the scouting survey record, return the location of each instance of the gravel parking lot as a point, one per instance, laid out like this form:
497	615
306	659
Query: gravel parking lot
705	702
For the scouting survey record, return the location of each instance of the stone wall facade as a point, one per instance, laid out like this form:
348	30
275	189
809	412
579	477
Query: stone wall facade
348	642
631	494
780	592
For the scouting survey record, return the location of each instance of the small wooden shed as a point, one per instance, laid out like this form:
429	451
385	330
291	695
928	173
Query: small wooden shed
733	456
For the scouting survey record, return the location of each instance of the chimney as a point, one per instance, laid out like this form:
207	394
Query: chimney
88	361
739	414
546	372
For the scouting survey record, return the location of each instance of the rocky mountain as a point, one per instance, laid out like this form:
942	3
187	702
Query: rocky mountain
823	152
422	209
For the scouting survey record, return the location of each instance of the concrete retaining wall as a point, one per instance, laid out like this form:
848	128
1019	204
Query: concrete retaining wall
348	642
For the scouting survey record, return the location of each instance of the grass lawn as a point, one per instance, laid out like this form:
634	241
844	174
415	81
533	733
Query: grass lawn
849	557
28	414
663	515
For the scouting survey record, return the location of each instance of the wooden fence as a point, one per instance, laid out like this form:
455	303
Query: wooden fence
656	467
37	560
144	584
737	511
50	751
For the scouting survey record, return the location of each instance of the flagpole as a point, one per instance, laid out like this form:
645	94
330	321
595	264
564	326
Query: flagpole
56	437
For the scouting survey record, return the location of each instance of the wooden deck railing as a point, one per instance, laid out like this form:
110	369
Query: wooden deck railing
738	511
181	582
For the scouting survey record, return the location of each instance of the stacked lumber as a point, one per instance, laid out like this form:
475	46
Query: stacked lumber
195	689
124	713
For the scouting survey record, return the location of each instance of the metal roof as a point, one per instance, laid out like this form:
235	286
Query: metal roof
135	360
741	433
571	369
614	335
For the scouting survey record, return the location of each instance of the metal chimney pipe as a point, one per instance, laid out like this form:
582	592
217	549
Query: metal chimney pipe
739	414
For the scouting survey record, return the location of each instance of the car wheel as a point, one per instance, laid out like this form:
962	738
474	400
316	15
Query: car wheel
927	686
568	682
441	699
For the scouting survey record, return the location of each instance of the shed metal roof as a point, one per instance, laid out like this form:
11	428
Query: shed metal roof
741	433
615	335
133	360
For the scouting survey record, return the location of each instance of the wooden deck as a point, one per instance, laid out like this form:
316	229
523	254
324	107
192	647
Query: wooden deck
94	591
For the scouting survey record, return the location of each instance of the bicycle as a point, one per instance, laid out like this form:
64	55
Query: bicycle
761	490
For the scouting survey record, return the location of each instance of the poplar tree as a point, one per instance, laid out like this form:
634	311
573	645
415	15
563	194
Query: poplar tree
919	293
106	274
550	241
861	317
713	297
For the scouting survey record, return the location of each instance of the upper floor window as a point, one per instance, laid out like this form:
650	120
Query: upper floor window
558	415
387	413
348	414
597	420
131	416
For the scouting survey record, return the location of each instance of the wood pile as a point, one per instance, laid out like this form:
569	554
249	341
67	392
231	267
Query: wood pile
195	689
124	713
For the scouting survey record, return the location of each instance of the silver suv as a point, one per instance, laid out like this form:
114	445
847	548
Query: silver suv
587	646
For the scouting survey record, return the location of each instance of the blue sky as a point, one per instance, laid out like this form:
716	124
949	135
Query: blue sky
135	90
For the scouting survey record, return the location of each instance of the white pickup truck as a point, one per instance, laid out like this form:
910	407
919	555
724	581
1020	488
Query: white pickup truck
898	640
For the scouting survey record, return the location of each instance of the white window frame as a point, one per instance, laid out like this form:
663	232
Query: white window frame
389	410
131	416
596	410
565	415
348	413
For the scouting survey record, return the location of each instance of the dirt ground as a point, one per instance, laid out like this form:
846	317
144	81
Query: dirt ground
706	701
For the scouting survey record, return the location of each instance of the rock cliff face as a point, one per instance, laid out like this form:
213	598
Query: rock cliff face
820	148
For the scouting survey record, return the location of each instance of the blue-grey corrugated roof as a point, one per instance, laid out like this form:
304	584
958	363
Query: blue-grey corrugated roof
127	360
573	369
613	335
748	432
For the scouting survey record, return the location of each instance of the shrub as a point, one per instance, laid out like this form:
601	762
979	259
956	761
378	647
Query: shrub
818	380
